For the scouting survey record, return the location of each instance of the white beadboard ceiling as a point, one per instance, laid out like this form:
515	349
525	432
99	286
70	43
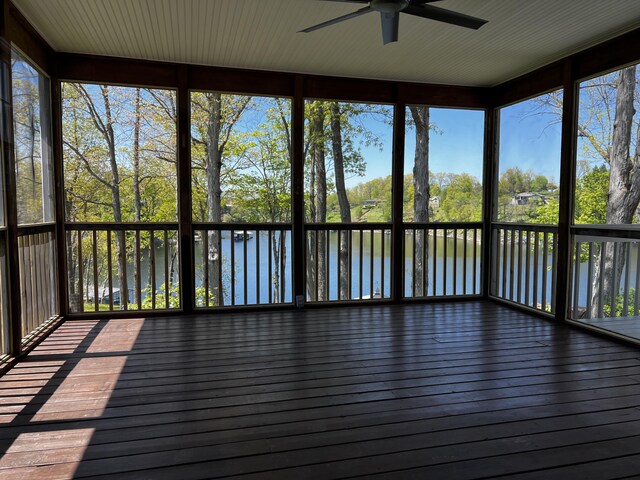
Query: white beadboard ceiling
521	35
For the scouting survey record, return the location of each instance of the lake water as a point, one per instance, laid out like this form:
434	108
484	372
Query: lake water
375	275
370	271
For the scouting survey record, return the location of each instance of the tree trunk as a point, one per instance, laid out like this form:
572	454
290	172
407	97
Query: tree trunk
320	194
623	195
32	156
214	192
420	115
312	239
279	253
172	272
115	196
283	263
220	124
75	295
343	201
137	202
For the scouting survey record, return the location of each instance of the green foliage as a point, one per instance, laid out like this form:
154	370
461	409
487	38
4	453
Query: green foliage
514	180
102	307
540	207
262	193
359	123
547	214
89	177
619	305
461	200
539	184
255	175
591	196
34	195
161	302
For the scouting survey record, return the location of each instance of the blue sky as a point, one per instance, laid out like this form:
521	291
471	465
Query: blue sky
455	146
456	142
530	140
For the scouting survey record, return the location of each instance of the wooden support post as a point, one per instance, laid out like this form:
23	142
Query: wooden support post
397	231
58	185
185	223
297	159
567	188
11	208
490	194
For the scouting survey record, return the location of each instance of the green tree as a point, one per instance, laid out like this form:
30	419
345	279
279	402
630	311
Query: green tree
337	144
623	193
317	200
539	184
261	191
591	196
420	116
547	213
461	201
336	133
217	152
513	180
34	193
119	166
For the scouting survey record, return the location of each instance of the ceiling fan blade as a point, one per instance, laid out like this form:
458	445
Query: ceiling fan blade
348	16
443	15
390	25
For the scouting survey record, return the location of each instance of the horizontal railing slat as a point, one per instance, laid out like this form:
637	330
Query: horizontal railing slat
25	230
531	227
120	227
597	232
242	226
347	226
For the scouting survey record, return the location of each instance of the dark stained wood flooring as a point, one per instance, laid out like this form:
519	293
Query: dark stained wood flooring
441	391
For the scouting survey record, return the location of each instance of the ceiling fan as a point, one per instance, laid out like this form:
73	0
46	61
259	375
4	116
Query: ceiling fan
390	14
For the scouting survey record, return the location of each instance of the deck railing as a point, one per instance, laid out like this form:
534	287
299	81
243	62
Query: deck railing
442	260
242	264
524	266
251	264
127	266
606	272
348	262
5	340
38	277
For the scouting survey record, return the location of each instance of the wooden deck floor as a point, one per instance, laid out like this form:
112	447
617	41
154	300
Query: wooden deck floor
448	391
626	326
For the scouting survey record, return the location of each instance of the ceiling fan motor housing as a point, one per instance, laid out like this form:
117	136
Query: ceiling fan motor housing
390	15
389	6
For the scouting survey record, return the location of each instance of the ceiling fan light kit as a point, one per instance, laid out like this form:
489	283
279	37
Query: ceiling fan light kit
390	11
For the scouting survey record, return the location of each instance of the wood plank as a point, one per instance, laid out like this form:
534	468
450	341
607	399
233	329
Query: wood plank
463	390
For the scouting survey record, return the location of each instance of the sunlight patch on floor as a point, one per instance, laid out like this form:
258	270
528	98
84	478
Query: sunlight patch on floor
117	336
